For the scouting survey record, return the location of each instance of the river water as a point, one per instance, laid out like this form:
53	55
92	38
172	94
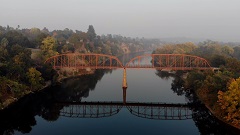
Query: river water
97	104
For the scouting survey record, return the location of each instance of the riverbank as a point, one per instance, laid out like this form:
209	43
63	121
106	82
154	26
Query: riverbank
72	72
221	119
217	115
206	86
9	100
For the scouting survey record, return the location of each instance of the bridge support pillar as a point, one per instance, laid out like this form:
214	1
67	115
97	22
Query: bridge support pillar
124	95
124	83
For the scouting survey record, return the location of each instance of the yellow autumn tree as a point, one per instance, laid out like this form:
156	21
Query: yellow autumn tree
230	102
48	48
34	78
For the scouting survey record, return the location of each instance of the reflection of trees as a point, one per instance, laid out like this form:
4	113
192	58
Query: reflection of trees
177	85
50	112
204	120
73	89
21	116
207	124
177	82
163	74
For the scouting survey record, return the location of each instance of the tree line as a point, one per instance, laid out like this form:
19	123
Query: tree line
23	52
219	91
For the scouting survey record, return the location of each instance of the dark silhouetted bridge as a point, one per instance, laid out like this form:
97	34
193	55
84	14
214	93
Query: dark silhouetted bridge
157	111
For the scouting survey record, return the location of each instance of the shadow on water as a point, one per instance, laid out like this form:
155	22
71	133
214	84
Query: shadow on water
74	89
204	120
21	116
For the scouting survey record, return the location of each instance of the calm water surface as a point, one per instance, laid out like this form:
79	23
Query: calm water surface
143	86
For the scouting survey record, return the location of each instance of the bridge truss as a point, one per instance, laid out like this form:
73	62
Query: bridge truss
147	61
83	61
169	62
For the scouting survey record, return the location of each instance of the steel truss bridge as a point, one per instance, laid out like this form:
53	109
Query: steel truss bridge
157	111
147	61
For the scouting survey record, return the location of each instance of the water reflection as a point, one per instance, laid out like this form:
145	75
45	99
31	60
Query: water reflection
157	111
177	82
74	89
65	100
21	116
204	120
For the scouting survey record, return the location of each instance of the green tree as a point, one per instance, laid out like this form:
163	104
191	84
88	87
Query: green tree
48	48
227	50
236	52
75	40
35	31
91	33
23	59
37	40
15	37
218	60
4	42
233	65
3	50
34	78
230	102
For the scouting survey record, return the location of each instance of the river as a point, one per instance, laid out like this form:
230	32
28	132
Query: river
154	103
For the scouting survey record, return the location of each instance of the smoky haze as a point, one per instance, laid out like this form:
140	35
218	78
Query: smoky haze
210	19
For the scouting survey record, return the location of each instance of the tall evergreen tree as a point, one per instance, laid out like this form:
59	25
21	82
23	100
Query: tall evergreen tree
91	33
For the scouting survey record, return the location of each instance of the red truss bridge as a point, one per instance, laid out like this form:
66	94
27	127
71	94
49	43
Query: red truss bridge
83	61
147	61
169	62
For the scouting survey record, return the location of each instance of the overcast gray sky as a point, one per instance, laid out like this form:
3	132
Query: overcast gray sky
213	19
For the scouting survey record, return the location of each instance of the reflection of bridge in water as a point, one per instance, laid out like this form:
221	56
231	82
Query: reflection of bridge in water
157	111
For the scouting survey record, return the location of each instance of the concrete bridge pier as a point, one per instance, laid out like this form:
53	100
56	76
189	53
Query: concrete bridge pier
124	95
124	83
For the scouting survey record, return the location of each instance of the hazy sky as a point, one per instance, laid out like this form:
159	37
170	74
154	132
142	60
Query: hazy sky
213	19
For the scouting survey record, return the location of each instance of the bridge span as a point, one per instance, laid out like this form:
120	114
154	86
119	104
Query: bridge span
157	111
167	62
147	61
